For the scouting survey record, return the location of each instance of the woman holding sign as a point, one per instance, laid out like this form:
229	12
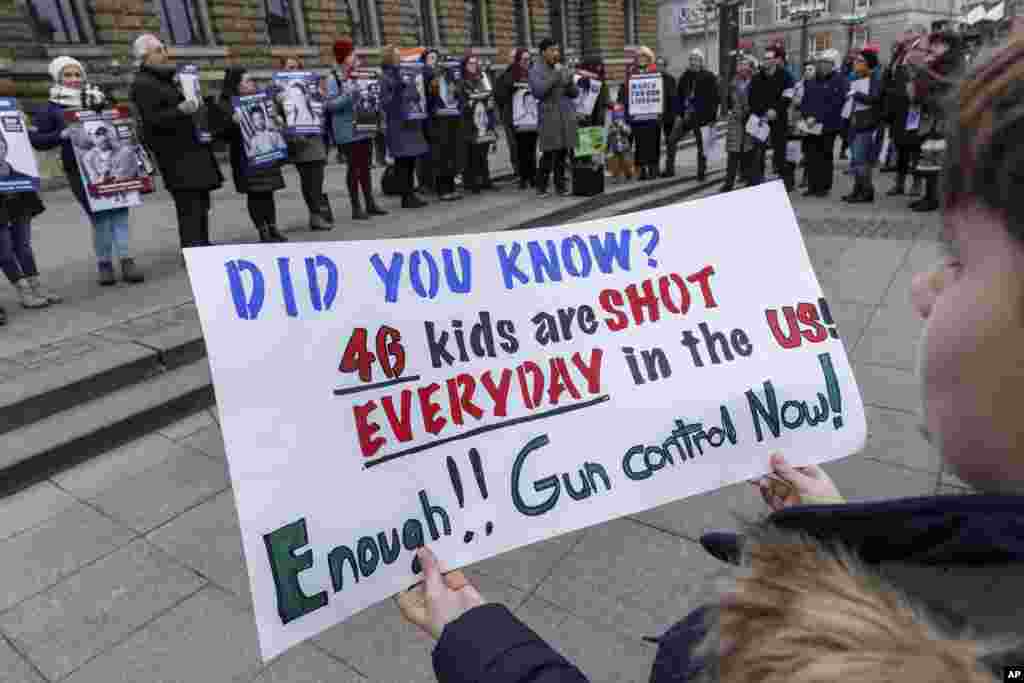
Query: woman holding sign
404	135
444	127
257	183
309	155
646	127
111	228
473	89
342	96
512	83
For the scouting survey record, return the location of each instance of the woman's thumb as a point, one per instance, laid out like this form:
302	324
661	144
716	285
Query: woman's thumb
431	570
785	470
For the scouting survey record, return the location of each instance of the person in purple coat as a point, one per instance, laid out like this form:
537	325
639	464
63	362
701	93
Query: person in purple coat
404	136
112	227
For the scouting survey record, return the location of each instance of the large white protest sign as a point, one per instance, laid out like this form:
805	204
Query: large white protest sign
646	97
478	393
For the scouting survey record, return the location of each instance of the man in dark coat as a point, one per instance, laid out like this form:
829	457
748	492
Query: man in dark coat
771	95
187	166
822	105
672	112
552	86
698	100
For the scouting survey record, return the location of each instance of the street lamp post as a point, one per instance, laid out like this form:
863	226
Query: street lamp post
804	13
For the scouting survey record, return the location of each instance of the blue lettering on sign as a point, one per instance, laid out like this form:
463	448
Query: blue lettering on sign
425	273
249	291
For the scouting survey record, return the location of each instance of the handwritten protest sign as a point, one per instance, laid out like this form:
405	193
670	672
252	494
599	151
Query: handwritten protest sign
482	392
302	102
109	156
646	97
19	171
188	77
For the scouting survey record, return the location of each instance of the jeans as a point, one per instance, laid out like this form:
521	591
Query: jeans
862	152
16	257
110	234
193	208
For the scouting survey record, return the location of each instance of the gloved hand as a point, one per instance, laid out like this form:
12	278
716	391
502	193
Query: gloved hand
188	107
65	134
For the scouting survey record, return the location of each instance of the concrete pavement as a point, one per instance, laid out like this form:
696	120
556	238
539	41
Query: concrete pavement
129	567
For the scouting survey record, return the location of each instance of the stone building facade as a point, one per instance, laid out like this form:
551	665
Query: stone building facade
767	22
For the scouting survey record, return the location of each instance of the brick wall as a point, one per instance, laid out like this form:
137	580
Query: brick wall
240	26
451	23
540	20
390	14
325	22
647	22
119	22
504	31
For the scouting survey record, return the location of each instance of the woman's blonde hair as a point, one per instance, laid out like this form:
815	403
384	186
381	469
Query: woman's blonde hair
389	55
803	613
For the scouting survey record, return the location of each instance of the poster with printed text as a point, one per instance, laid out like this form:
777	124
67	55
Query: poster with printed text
479	393
524	109
646	97
412	74
109	156
188	77
587	97
301	101
484	118
449	74
262	140
367	113
19	171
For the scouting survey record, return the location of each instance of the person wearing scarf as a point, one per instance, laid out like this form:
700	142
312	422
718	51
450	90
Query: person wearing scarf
187	166
343	95
257	184
516	76
740	145
112	227
477	173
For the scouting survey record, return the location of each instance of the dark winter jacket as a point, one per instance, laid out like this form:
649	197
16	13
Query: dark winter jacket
554	91
467	89
404	138
49	123
824	99
19	207
185	163
868	119
265	179
767	92
700	87
961	557
673	107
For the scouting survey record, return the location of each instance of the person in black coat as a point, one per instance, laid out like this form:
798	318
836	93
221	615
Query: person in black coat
257	184
772	93
898	112
764	100
698	100
672	112
188	167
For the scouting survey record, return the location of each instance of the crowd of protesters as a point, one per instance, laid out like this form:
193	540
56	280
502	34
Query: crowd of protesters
877	112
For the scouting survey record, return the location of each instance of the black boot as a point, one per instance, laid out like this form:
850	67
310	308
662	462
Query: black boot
264	234
702	168
357	211
371	207
899	188
275	235
411	201
326	211
857	190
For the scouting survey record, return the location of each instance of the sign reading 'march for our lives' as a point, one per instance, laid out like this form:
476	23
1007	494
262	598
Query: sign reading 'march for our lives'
478	393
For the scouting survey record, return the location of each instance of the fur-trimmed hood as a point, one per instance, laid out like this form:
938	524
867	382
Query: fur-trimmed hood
801	609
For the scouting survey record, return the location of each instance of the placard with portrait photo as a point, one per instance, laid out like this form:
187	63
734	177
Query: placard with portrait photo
19	171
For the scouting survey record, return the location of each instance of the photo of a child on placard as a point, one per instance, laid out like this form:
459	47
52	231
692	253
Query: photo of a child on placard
447	90
302	101
412	74
367	106
19	171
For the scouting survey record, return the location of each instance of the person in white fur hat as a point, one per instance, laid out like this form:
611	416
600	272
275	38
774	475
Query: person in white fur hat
111	228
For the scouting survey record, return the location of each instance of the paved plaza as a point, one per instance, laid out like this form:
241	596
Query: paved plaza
128	567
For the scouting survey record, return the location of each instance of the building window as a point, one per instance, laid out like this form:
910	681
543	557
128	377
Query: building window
630	10
820	42
782	11
180	22
820	6
523	24
280	27
361	18
861	6
55	21
748	17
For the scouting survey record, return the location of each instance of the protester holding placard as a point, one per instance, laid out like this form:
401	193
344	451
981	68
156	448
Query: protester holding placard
257	183
743	149
112	227
698	99
903	120
426	174
864	104
473	92
646	129
593	76
770	100
188	168
444	127
512	84
400	100
343	95
552	86
309	155
821	108
17	259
